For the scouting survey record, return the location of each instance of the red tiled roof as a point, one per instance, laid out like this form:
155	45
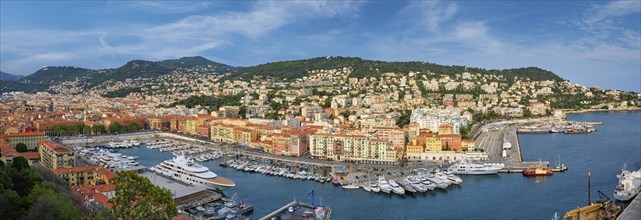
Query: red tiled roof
31	155
101	198
54	146
7	151
37	133
106	187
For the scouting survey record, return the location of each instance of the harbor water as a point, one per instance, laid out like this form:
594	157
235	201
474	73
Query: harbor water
502	196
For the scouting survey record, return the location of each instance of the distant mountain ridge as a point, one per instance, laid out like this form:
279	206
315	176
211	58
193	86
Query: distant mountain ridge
298	68
42	79
9	76
52	75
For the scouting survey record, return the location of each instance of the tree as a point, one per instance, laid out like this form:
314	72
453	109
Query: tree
242	111
114	127
47	204
60	129
133	126
86	129
98	129
20	163
21	147
404	119
136	197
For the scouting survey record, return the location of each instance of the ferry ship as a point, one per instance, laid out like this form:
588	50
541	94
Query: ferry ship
629	185
186	170
463	167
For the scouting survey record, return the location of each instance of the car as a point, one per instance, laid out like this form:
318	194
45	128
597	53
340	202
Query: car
356	177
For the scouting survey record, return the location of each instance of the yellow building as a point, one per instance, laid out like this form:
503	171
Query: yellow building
87	175
224	133
55	156
244	136
189	125
30	139
353	148
433	143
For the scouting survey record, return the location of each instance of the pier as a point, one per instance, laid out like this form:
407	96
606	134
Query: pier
299	210
492	139
633	211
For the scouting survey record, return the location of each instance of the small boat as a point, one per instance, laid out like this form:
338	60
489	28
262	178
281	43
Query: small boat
538	171
374	188
335	181
350	186
367	188
407	187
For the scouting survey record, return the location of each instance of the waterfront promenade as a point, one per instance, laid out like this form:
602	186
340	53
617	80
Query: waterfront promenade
633	211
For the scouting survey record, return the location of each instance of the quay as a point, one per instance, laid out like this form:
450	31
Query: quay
519	167
493	139
299	210
633	211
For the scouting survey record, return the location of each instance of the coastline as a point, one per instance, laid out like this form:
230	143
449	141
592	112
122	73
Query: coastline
601	110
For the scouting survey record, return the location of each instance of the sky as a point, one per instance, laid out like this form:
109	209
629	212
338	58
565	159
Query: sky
593	43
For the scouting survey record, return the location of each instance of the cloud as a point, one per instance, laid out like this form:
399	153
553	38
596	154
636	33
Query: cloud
190	35
602	13
430	14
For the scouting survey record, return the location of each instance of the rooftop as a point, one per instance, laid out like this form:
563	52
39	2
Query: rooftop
300	211
178	189
55	146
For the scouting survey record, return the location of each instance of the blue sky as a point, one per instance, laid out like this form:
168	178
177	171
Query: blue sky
591	43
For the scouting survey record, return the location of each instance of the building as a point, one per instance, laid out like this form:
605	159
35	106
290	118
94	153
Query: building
353	148
7	153
55	156
432	118
394	135
87	175
158	123
30	139
289	143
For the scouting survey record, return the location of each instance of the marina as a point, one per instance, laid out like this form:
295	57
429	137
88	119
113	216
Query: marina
475	188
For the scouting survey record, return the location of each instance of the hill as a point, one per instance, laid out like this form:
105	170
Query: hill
8	76
298	68
197	61
42	79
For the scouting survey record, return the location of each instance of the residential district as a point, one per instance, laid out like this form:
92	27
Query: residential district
394	119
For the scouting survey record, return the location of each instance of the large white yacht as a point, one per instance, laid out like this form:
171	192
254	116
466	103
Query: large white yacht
463	167
186	170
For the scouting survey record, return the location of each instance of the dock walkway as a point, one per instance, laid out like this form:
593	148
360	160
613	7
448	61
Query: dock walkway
633	211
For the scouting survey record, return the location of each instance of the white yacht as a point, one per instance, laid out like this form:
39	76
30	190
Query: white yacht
416	183
186	170
383	185
437	181
374	187
463	167
455	179
396	188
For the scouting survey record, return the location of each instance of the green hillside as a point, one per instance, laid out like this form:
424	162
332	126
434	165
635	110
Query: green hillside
298	68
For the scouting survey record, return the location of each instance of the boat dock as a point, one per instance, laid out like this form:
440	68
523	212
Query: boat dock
519	167
633	211
299	210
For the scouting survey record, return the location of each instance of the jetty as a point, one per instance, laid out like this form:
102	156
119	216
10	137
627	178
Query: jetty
299	210
633	211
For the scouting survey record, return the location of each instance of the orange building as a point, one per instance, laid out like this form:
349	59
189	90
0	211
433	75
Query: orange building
87	175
